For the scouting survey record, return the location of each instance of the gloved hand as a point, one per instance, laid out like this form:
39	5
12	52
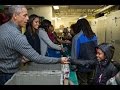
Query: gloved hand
77	62
72	61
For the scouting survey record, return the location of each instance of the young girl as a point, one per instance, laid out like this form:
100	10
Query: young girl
31	32
45	41
104	67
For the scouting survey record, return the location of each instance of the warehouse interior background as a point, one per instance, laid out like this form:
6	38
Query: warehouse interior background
104	19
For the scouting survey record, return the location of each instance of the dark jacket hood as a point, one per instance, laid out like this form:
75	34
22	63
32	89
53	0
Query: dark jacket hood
108	50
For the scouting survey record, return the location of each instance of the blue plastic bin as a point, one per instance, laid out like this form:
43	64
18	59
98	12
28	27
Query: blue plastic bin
53	53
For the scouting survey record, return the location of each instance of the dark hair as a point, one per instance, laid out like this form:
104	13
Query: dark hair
73	26
41	18
29	27
45	24
65	30
50	26
83	24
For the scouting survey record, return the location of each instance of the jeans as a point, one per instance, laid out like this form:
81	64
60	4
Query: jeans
4	77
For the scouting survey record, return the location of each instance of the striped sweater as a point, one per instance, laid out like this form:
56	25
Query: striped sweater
13	44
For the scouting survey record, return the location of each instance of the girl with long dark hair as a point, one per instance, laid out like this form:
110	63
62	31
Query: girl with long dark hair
31	32
83	47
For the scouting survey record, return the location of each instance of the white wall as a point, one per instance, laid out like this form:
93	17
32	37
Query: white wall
108	30
45	11
65	21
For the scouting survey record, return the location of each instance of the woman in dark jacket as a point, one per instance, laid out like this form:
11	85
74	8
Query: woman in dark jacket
104	67
31	32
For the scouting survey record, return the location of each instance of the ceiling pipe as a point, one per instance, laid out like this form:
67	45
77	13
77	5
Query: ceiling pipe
105	8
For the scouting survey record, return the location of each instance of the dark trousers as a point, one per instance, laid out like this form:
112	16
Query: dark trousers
4	77
85	78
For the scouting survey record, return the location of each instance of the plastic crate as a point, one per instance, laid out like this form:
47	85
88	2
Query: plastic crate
38	74
36	78
40	67
53	53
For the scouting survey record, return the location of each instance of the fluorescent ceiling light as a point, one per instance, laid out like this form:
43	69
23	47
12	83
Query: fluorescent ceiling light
56	7
83	17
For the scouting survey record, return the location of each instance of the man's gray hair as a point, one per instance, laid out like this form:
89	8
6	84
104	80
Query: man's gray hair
15	9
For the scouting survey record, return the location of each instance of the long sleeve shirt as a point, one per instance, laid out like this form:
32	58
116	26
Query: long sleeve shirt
74	46
45	42
13	44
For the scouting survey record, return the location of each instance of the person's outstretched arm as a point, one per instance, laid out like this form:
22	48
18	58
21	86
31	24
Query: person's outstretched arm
21	45
83	62
44	36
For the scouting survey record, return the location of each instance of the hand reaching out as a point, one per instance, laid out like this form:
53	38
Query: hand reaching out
64	60
68	42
